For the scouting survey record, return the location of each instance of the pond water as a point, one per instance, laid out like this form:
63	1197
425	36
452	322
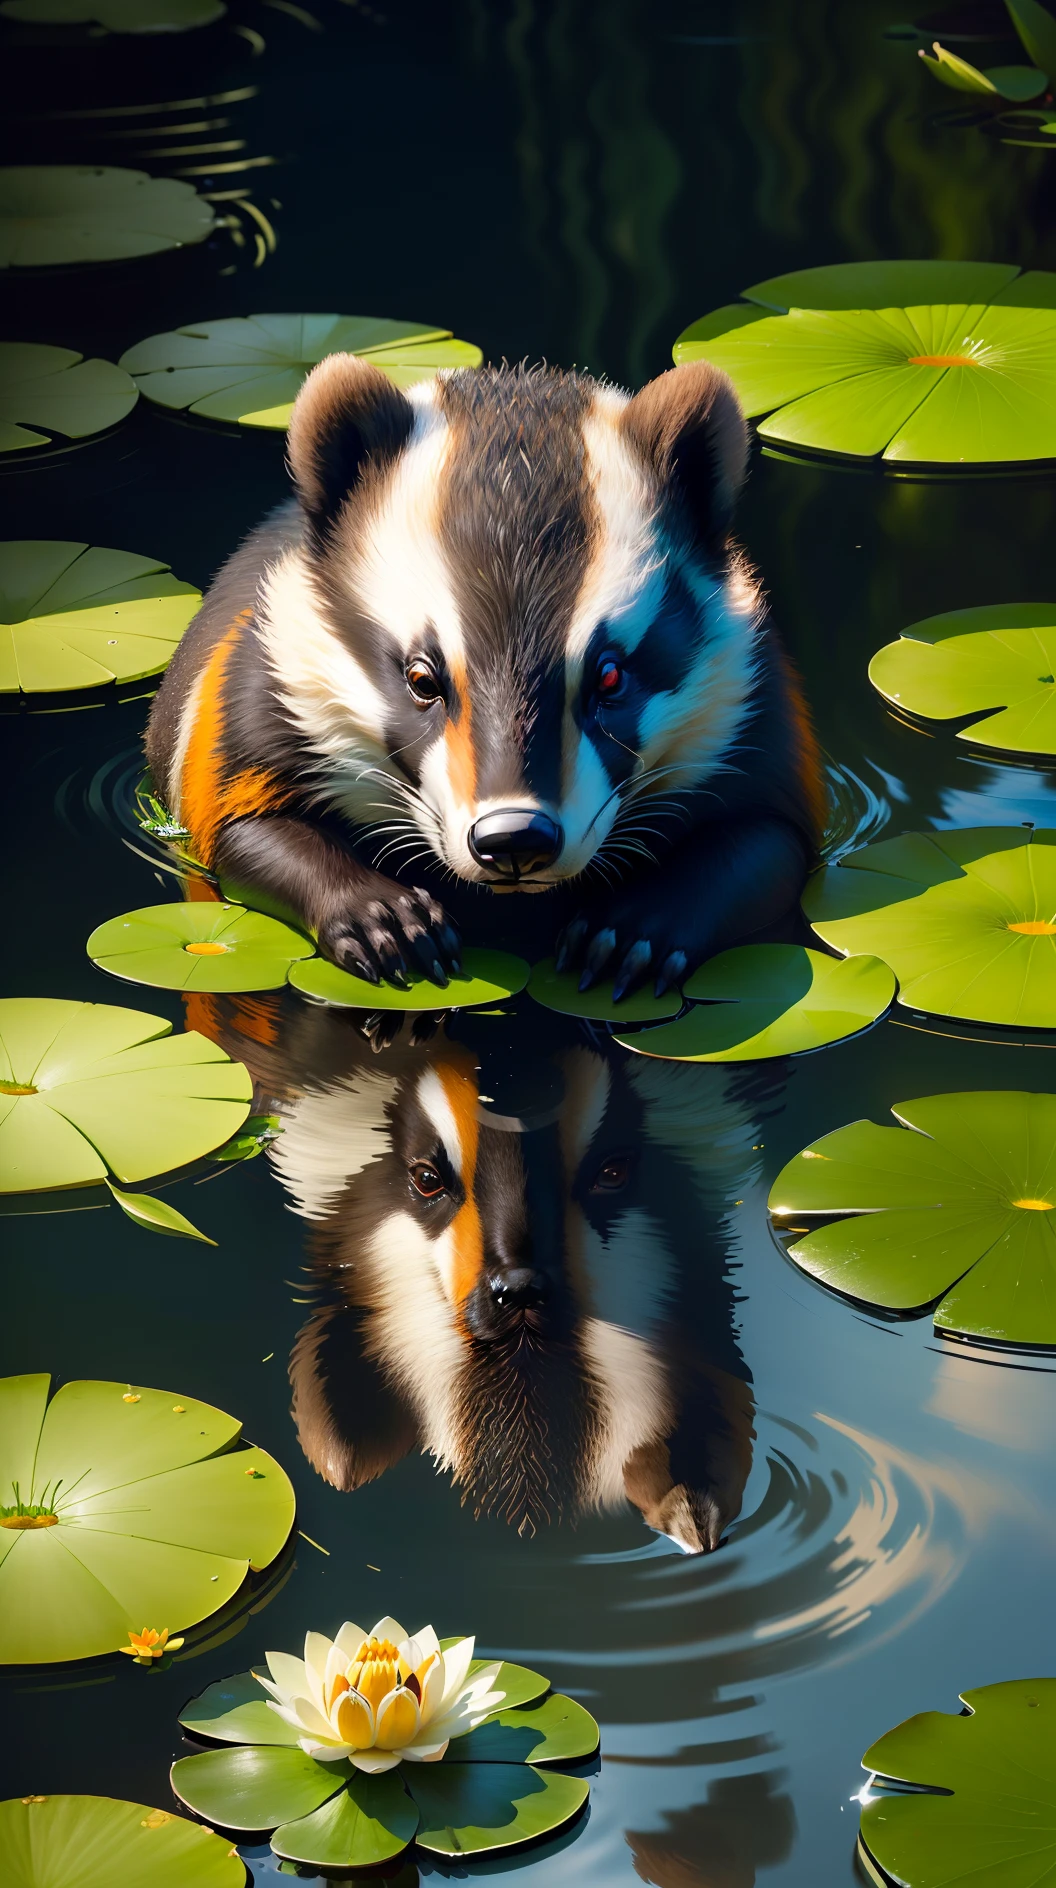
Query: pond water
577	181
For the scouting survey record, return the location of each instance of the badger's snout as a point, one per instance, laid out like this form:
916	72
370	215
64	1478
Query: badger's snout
515	841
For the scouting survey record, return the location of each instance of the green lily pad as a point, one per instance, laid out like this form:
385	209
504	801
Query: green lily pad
487	976
58	390
556	1731
157	1215
370	1821
61	213
963	1211
982	1808
965	919
235	1711
479	1809
885	285
1000	658
251	370
1013	82
1037	30
929	384
198	946
157	1516
770	999
117	16
255	1786
99	1842
560	991
77	616
85	1086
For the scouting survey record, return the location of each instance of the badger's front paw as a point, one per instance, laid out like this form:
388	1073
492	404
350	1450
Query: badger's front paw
628	942
384	930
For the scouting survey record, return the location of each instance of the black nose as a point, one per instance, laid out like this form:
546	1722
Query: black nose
515	840
517	1288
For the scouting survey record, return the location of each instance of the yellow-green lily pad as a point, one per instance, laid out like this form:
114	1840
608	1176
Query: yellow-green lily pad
101	1842
965	919
251	370
62	213
764	1000
146	1514
899	284
56	389
487	977
959	1209
85	1087
1000	659
117	16
954	1801
198	946
79	616
559	990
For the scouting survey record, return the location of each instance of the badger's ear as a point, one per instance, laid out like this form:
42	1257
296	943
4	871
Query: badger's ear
690	429
347	417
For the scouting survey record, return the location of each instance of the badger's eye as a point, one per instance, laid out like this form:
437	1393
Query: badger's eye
422	682
426	1180
612	1175
610	678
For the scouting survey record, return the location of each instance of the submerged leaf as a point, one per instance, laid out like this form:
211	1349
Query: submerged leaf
981	1801
100	1842
963	1209
966	919
157	1215
74	616
61	213
1000	658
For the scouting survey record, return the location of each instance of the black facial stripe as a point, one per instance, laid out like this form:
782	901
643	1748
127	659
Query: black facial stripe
659	664
667	651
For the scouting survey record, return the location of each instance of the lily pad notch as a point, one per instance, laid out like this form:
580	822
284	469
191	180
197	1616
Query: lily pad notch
997	662
49	392
75	616
954	1209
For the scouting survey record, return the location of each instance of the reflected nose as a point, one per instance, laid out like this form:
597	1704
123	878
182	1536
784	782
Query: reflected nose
518	1288
514	841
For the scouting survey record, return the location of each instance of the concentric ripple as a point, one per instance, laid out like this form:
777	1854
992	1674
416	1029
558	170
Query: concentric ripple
857	812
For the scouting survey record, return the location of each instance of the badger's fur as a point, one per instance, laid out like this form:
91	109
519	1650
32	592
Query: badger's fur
501	639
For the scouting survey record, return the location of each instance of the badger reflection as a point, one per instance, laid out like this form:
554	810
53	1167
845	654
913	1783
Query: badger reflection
519	1248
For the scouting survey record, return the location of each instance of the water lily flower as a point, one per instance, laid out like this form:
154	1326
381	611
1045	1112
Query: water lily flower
379	1697
149	1644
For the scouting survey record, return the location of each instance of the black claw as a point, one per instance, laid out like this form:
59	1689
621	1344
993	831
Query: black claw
598	955
424	1028
425	951
569	943
635	962
449	941
672	970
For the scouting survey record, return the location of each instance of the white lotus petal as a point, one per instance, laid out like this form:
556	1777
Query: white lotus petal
311	1719
336	1667
350	1638
327	1753
433	1690
457	1661
289	1673
464	1715
420	1646
316	1652
275	1691
375	1760
284	1712
425	1753
389	1629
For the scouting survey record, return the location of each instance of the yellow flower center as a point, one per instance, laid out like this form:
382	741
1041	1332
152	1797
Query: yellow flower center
29	1520
17	1088
206	949
375	1670
1035	927
942	360
1034	1206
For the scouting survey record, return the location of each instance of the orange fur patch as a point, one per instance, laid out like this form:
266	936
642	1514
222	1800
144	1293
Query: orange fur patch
208	799
467	1233
458	738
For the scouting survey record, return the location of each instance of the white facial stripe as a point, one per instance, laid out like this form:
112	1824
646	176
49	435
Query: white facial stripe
399	579
634	1403
329	1135
433	1101
585	817
416	1333
624	579
188	716
588	1081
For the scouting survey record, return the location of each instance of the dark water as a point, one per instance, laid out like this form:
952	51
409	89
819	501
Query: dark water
576	181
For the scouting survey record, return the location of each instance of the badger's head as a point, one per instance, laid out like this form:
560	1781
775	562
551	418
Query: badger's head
514	613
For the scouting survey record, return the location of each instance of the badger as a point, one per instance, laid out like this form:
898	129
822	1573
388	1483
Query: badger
501	641
519	1254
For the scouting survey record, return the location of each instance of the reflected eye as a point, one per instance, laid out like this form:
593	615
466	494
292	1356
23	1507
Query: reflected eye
611	1176
610	678
422	682
426	1180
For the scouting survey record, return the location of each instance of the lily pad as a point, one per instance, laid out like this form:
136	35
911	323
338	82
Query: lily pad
884	285
963	1210
560	991
256	1786
487	977
478	1809
154	1517
99	1842
77	616
1018	83
982	1801
1037	30
927	384
770	999
235	1711
61	213
57	389
117	16
965	919
85	1087
368	1822
556	1731
1000	658
198	946
251	370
